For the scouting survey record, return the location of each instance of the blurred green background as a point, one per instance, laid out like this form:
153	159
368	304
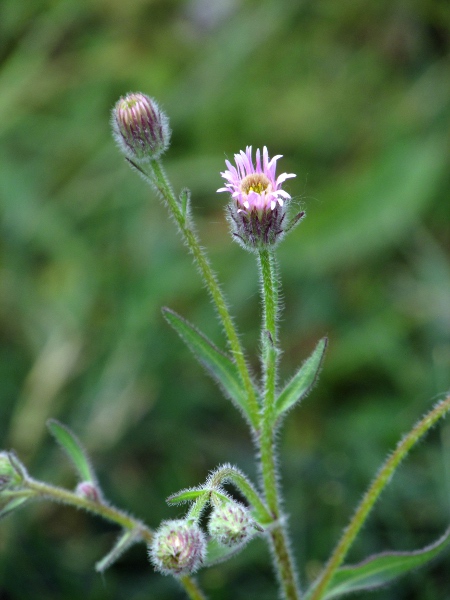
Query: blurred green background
356	95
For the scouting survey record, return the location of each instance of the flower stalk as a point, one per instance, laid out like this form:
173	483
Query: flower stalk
269	341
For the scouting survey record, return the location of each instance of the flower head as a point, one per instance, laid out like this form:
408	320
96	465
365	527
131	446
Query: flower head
178	547
255	188
140	127
258	202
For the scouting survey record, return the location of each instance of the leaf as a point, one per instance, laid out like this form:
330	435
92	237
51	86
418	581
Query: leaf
302	382
125	541
8	505
73	448
380	569
188	495
217	553
220	366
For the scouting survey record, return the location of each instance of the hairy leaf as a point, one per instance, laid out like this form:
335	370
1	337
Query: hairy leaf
73	448
220	366
303	380
381	569
125	541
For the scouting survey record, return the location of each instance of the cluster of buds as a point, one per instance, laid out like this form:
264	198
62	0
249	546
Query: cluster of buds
178	547
257	209
140	127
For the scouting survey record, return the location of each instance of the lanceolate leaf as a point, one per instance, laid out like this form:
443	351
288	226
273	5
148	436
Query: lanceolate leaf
188	495
380	569
303	380
125	541
10	502
73	448
220	366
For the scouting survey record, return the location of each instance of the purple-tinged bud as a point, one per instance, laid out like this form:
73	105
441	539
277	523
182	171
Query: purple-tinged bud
140	127
178	547
10	475
231	524
89	491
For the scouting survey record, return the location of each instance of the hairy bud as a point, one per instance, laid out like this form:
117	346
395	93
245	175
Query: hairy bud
140	127
231	524
89	491
178	547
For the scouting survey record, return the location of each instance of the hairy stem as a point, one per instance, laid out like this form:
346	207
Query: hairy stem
374	491
191	588
110	513
159	180
269	341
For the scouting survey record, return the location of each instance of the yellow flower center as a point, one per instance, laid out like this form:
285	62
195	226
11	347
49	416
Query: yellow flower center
256	182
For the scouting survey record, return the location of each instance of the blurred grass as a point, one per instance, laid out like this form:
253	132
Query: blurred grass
356	96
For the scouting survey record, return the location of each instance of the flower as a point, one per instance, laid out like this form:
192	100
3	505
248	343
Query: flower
255	188
140	127
178	547
258	203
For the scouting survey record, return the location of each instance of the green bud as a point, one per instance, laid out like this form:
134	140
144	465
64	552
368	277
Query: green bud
231	524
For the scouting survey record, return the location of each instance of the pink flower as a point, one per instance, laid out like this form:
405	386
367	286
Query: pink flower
255	188
257	209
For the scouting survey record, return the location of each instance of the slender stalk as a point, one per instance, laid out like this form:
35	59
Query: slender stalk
374	491
159	180
191	588
110	513
269	341
106	511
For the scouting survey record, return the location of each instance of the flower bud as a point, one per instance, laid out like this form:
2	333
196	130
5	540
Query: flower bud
10	475
178	547
88	490
140	128
231	524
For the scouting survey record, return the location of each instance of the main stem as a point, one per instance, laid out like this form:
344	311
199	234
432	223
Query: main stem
110	513
269	341
372	494
159	180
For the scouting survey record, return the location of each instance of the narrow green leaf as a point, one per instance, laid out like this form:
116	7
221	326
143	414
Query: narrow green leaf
125	541
8	505
185	200
380	569
73	448
188	495
303	381
220	366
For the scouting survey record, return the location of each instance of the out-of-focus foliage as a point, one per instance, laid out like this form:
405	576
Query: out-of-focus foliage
356	96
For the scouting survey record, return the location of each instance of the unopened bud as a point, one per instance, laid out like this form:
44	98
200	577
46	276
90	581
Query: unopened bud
10	475
178	547
231	524
140	127
89	491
